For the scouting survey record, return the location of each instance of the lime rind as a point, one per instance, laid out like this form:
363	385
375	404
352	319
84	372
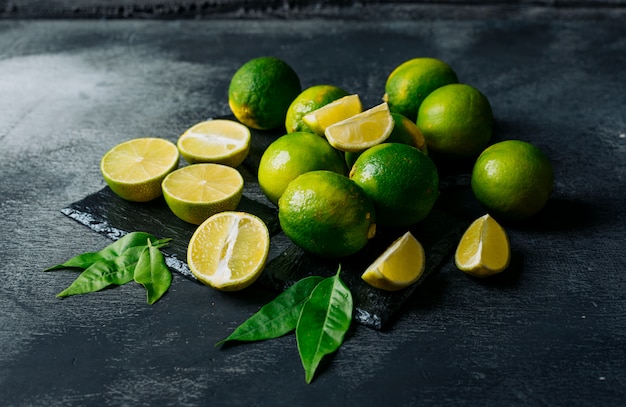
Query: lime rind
484	248
401	265
221	276
360	132
215	141
150	158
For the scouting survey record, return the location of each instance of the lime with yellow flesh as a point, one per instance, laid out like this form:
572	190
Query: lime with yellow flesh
308	101
333	112
484	249
228	251
401	265
197	191
135	169
215	141
404	132
361	131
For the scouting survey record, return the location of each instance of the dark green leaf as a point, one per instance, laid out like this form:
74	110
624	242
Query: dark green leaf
323	323
103	273
278	317
115	249
152	272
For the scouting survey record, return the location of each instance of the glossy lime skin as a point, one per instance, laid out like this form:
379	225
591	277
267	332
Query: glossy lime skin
326	214
513	179
401	181
292	155
456	120
261	91
410	82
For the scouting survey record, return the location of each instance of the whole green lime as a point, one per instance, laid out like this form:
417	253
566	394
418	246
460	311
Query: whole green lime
326	214
401	181
404	131
261	91
513	179
410	82
309	100
456	121
292	155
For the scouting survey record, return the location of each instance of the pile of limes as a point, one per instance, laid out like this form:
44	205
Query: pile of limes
340	170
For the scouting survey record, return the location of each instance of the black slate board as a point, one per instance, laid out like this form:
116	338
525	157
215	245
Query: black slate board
106	213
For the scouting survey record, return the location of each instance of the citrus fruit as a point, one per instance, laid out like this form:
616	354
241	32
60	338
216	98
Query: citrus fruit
198	191
326	214
401	181
292	155
215	141
456	121
399	266
228	251
410	82
513	179
309	100
404	131
261	91
134	169
361	131
318	120
484	249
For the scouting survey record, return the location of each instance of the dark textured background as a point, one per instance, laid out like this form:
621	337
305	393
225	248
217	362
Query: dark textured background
550	331
304	9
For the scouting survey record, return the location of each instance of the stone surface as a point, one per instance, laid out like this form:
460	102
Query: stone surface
551	330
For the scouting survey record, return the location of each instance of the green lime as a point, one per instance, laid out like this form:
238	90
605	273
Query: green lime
326	214
261	91
456	120
410	82
401	181
513	179
292	155
198	191
135	168
309	100
404	132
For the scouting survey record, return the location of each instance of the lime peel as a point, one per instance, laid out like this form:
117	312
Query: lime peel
400	265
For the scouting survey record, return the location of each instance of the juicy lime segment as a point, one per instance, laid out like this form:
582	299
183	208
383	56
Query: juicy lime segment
361	131
401	265
228	251
134	169
198	191
309	100
334	112
484	249
215	141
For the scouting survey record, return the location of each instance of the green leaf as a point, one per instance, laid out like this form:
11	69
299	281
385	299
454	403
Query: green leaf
323	323
152	272
115	249
277	317
105	272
